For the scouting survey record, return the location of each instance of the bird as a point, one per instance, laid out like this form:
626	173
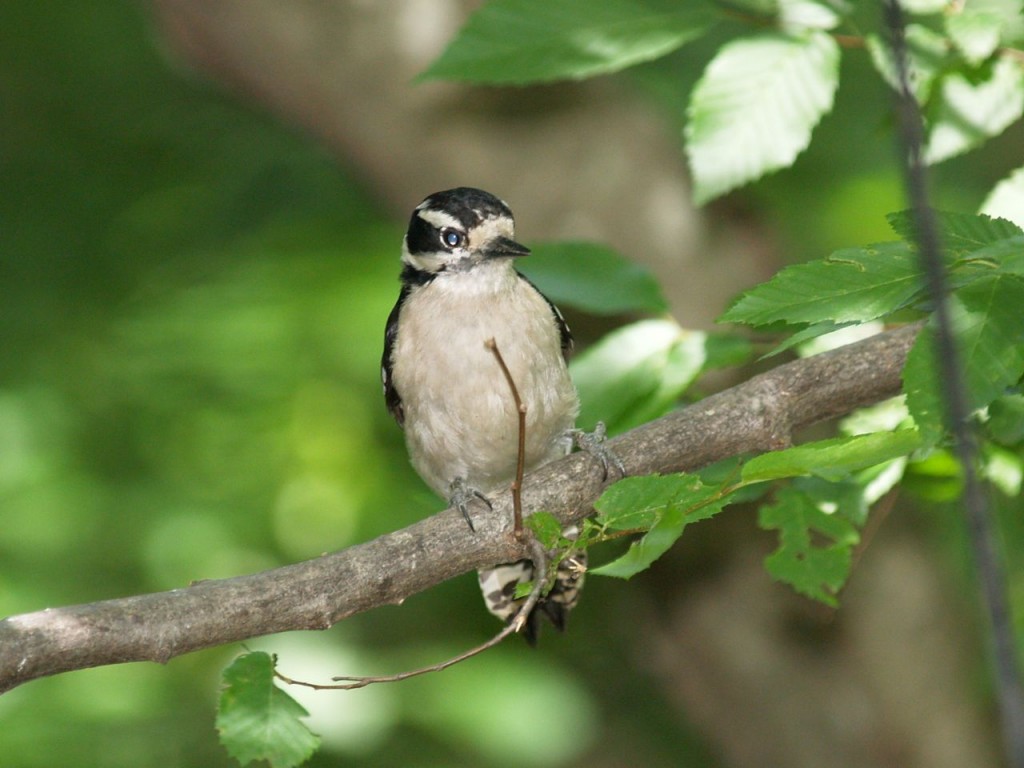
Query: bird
459	289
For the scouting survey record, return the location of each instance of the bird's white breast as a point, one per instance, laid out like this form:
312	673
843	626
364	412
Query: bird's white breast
460	416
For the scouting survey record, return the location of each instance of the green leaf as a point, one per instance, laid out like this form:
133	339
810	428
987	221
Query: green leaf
1006	419
522	41
257	720
831	459
1006	200
816	571
641	553
976	35
938	477
755	106
665	504
801	15
977	27
842	498
924	7
842	336
1006	255
804	335
960	232
971	113
638	502
725	350
992	344
921	386
989	337
636	373
851	285
546	527
593	278
523	589
1004	469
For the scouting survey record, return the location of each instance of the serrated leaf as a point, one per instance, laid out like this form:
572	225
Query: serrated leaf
960	232
993	345
523	41
755	106
989	337
593	278
256	720
638	502
636	373
832	459
644	551
851	285
1006	200
664	504
1005	255
818	572
926	55
971	113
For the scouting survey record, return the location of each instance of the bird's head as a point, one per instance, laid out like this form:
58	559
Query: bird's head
459	229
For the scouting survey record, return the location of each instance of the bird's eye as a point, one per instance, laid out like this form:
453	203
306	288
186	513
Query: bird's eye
452	238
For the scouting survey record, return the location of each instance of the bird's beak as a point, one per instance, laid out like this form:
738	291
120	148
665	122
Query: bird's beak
504	246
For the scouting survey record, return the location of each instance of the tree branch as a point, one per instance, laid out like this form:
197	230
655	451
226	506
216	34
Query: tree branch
757	415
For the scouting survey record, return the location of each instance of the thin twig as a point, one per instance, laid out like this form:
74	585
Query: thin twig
348	683
517	484
1010	692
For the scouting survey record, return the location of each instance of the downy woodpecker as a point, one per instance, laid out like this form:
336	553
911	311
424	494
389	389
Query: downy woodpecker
442	384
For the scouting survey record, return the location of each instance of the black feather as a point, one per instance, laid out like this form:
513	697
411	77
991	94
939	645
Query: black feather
468	205
391	397
411	278
565	335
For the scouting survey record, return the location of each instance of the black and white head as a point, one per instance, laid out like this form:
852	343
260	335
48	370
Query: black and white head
458	229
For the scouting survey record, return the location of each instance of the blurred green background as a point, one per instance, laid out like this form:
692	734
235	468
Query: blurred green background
192	301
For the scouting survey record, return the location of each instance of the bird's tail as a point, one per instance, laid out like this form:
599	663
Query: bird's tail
499	585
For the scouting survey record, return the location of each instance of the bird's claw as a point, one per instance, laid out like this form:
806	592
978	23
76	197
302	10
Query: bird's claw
460	494
594	444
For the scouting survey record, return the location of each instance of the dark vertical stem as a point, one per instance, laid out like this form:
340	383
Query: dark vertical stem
991	572
517	484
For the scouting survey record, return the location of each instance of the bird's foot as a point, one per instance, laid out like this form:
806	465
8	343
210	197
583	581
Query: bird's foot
460	494
594	444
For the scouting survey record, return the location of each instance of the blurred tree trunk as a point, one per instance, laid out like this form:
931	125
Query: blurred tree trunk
887	684
585	161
